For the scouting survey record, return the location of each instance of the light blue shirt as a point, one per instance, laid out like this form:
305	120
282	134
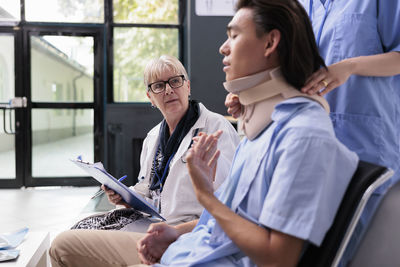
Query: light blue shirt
365	111
291	178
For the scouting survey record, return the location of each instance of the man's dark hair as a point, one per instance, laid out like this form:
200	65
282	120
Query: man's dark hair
297	50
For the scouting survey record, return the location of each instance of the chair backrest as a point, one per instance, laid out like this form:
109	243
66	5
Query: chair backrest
380	245
365	180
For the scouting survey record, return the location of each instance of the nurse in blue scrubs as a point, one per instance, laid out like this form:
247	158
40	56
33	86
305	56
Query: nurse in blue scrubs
360	42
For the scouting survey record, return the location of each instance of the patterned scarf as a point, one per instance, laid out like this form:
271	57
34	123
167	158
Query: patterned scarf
168	145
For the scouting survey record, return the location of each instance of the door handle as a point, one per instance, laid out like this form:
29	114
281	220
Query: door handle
16	102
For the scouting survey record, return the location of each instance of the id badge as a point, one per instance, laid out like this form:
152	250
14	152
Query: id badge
156	199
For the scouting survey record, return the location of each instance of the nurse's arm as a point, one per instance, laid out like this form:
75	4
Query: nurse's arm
380	65
387	64
263	246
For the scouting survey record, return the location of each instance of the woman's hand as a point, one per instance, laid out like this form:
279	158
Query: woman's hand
113	197
233	105
153	245
324	80
202	161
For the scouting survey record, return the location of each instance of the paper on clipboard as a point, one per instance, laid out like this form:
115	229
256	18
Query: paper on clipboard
97	171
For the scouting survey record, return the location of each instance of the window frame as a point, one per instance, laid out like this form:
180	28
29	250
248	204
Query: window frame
110	26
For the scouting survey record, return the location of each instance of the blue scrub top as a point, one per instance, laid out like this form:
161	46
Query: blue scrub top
293	182
365	111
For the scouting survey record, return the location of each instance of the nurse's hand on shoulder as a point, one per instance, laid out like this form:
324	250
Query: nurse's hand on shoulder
324	80
113	197
202	161
153	245
233	105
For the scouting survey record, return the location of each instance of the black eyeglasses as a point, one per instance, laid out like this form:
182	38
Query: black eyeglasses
174	82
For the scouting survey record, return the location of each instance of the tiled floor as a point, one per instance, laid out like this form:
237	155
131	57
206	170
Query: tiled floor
50	209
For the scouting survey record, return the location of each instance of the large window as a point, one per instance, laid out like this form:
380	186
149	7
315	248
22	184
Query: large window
142	30
133	48
138	31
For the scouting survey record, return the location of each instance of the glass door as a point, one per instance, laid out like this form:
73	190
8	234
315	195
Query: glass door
52	59
65	111
10	118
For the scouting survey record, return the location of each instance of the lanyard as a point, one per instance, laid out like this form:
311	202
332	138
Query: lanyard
328	7
161	180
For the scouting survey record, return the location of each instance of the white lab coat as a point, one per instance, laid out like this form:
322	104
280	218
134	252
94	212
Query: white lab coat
178	200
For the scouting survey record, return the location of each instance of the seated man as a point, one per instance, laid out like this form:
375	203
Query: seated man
288	175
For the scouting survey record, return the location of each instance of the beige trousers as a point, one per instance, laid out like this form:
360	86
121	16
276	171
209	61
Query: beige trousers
95	248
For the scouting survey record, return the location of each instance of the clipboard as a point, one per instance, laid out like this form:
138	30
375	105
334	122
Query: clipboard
97	171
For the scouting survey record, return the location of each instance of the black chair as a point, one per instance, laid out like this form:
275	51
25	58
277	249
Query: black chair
367	178
380	245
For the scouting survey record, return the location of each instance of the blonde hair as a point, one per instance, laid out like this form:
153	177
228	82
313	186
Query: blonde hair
156	67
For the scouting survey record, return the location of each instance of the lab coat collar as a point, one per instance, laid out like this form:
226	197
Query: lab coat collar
199	124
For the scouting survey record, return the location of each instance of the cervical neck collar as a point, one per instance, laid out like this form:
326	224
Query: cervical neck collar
259	94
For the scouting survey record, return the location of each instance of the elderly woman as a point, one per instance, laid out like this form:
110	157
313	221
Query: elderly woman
163	179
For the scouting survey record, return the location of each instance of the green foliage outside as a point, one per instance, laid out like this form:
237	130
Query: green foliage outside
134	47
145	11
